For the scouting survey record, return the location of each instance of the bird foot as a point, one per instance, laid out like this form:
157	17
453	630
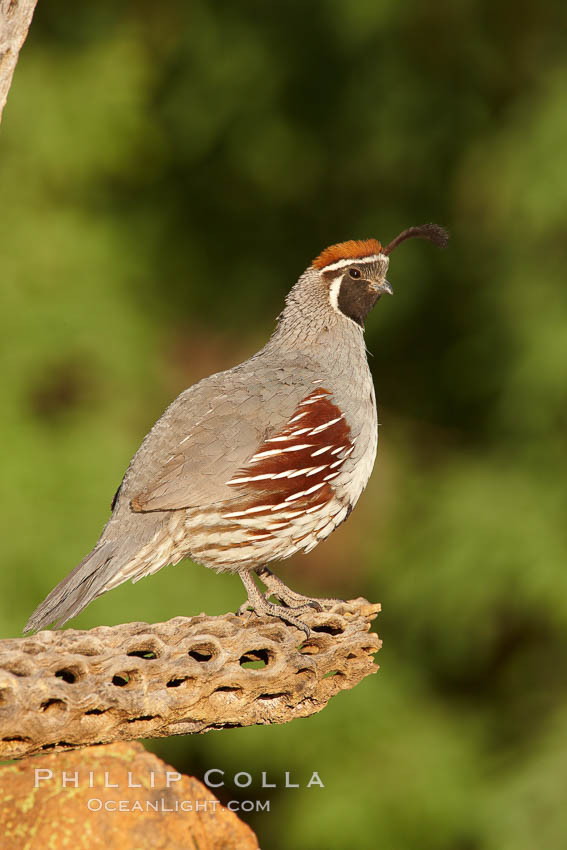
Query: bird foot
300	601
261	606
296	601
289	597
293	604
287	614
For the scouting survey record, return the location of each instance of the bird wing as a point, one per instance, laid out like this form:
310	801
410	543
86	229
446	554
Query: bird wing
206	435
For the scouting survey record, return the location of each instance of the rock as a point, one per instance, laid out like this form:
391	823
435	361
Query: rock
70	800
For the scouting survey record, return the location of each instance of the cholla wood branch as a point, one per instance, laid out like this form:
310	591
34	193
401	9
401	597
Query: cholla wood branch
60	690
15	19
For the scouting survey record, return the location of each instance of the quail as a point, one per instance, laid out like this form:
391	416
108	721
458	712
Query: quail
254	464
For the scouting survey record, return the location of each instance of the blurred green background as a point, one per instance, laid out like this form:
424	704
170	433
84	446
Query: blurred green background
166	173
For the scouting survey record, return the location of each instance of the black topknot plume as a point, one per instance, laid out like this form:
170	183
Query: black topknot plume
436	234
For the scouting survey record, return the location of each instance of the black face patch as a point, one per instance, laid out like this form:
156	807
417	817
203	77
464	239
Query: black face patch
356	299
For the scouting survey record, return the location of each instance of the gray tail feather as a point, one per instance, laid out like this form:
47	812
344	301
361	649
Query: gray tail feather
80	587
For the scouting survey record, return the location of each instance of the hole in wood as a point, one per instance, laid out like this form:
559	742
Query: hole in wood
272	696
255	659
201	653
176	683
328	629
57	744
50	704
120	679
148	654
96	711
228	689
309	649
144	717
67	675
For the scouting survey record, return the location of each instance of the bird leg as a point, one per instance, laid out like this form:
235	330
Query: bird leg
289	597
260	605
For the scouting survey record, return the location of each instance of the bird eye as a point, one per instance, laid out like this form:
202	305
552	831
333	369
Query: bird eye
354	273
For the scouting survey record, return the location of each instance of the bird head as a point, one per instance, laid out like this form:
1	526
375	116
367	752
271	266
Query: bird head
354	272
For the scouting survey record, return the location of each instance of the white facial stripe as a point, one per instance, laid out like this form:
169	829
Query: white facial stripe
340	264
334	290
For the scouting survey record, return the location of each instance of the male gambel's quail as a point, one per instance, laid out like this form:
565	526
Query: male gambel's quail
254	464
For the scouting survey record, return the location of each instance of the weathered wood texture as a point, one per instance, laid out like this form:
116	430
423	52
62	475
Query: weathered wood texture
15	19
60	690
